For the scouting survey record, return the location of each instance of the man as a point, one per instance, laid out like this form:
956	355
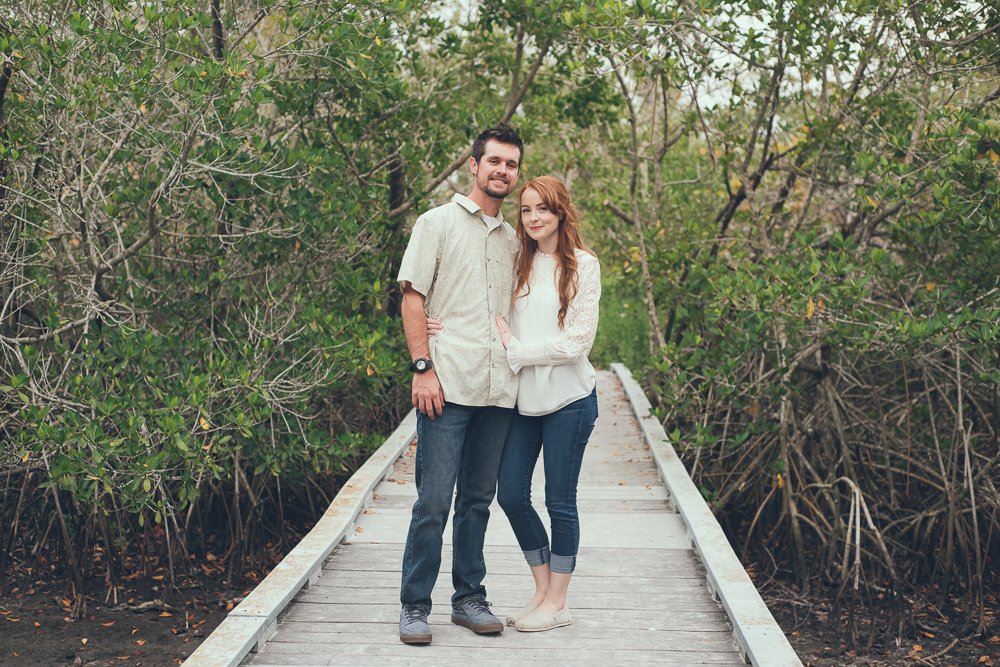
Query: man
458	268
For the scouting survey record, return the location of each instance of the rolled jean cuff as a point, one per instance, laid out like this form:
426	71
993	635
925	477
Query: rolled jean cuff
537	556
562	564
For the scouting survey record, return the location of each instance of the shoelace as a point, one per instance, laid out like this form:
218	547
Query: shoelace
413	614
480	605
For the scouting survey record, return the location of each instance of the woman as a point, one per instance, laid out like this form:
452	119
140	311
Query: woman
553	323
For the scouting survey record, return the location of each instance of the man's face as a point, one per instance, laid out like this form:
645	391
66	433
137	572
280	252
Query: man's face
496	173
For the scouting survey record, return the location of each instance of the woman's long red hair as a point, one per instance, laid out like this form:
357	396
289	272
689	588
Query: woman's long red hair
556	199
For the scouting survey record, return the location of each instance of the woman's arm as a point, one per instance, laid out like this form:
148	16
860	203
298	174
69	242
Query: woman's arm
573	343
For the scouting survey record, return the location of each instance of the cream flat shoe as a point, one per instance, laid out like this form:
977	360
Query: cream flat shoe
528	608
537	621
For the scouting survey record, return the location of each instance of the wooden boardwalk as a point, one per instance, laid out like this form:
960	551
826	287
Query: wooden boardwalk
638	595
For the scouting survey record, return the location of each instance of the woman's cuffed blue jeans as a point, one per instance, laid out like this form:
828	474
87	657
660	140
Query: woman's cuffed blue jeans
458	456
562	438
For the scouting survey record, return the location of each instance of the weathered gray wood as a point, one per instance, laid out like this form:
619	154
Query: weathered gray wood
663	602
606	489
419	659
758	635
516	581
633	503
282	653
677	640
584	625
639	594
690	619
638	531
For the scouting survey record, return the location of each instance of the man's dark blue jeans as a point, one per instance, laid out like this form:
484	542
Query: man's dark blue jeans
461	447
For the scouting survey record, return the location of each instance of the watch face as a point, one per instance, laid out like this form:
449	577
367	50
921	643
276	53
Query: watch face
421	365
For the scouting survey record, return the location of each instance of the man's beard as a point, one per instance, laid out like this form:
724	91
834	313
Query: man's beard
490	189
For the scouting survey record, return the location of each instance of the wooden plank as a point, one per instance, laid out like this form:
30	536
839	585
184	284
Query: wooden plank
584	505
663	602
297	654
591	628
452	635
605	489
516	581
638	531
364	550
608	620
638	617
514	567
419	659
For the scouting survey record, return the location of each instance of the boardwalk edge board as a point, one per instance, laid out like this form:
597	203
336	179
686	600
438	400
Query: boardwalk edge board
758	635
254	621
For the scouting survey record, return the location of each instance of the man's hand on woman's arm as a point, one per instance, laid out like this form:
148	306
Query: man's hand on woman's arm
428	396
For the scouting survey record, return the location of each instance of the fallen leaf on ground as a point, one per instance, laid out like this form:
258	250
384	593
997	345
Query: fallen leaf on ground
84	641
166	613
140	642
108	625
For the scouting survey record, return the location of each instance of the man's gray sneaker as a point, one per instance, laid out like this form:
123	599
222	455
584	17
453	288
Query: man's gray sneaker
474	613
413	628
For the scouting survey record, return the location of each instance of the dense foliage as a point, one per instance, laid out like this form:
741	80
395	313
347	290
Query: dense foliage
202	217
823	259
203	206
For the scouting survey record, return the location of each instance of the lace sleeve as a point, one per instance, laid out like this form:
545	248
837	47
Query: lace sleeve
579	331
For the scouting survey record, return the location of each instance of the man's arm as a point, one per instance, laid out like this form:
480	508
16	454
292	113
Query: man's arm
428	396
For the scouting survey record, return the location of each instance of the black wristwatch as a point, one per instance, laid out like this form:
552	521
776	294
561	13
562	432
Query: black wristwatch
421	365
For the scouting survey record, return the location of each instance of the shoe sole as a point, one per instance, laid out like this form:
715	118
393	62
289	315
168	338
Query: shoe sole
415	639
485	629
547	627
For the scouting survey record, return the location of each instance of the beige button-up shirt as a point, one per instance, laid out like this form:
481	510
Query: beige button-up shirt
464	267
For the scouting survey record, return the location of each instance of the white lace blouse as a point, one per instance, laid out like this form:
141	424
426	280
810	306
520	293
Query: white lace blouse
553	362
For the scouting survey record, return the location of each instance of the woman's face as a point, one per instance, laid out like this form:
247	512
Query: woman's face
539	222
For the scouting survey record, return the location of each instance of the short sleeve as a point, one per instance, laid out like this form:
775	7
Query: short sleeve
423	253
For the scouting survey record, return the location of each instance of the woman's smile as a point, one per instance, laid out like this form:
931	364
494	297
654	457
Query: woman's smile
539	221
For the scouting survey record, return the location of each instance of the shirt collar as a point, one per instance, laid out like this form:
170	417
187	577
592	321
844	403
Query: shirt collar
472	207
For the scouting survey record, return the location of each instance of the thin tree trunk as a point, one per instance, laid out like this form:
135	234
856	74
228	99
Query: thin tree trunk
656	340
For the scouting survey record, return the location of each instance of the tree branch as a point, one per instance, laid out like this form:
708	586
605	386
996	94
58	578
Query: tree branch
467	153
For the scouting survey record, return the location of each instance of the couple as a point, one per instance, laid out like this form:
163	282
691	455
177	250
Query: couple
460	270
